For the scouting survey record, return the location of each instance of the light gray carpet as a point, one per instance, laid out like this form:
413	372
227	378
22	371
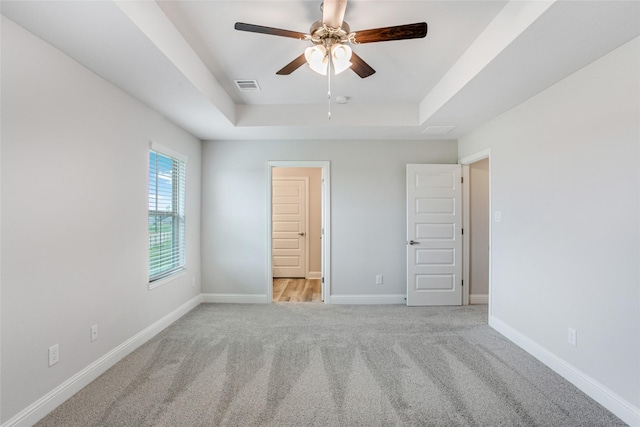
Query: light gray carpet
296	364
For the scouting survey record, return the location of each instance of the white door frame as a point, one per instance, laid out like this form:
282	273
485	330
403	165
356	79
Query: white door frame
465	162
326	222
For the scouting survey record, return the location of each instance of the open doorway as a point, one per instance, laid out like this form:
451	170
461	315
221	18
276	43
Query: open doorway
298	231
477	227
479	232
296	242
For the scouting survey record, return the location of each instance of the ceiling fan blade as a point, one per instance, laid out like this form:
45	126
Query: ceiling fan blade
241	26
292	66
333	12
400	32
360	67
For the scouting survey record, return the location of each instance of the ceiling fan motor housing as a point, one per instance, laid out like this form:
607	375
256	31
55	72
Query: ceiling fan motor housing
327	36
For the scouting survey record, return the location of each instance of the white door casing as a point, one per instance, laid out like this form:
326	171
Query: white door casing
289	228
465	162
434	240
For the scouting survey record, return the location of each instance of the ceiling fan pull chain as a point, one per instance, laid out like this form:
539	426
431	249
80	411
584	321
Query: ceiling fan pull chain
329	89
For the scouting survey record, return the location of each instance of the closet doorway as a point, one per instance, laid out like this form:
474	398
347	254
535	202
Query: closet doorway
476	171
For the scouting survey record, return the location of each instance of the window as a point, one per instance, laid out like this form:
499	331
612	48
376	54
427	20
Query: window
166	214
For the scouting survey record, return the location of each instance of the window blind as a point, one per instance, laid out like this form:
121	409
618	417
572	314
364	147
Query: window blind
166	215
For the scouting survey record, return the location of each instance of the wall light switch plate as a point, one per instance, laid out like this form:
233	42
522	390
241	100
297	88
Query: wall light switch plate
379	279
54	354
497	216
572	337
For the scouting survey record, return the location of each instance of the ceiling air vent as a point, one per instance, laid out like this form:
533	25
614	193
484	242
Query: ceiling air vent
247	85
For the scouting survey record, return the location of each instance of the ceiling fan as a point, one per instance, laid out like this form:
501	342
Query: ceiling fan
330	36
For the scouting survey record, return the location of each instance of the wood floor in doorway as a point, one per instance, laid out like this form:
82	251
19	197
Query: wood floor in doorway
297	290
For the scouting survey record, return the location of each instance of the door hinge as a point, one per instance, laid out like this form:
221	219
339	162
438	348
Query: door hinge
462	282
461	180
322	231
323	280
462	230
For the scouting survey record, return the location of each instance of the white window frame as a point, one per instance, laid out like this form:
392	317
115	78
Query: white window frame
180	210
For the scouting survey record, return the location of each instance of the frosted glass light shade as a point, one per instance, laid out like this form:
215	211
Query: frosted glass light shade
341	56
317	59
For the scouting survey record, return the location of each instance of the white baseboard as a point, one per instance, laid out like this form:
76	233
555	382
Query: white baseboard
623	409
235	298
479	299
47	403
369	299
314	275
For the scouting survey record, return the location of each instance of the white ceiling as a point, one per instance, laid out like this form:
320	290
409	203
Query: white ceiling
479	59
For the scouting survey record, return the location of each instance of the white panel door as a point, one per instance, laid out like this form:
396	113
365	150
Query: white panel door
434	241
289	226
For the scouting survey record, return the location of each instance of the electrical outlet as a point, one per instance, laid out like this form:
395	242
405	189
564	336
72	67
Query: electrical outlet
94	333
497	216
54	354
379	279
572	337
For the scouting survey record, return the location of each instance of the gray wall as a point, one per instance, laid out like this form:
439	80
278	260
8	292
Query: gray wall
565	175
368	210
74	217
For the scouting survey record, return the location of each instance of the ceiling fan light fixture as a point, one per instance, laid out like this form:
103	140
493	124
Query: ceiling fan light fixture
341	57
317	59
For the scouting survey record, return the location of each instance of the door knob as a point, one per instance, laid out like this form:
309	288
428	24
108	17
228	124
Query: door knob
301	234
411	242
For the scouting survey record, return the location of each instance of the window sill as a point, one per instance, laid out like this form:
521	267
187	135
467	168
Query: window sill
157	283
